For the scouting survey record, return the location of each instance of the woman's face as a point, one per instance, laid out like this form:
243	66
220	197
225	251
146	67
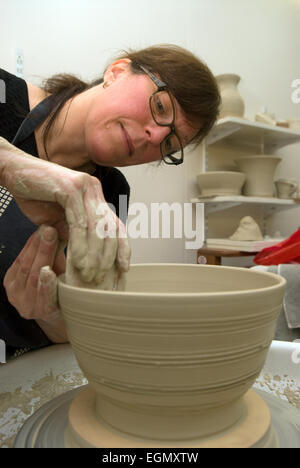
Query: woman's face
119	129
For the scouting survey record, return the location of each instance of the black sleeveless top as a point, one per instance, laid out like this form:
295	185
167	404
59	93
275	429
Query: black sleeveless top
15	228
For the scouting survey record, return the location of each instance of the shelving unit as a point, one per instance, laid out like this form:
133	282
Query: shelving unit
257	137
220	203
233	130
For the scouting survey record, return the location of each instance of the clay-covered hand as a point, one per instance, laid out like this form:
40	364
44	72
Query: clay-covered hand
72	202
31	283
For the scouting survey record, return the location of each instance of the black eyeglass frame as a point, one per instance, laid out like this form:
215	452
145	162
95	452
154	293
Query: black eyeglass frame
163	87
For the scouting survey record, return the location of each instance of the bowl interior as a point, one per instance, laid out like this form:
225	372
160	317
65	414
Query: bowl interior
194	279
182	279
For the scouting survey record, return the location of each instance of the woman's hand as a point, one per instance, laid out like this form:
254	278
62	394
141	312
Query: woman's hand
72	202
31	283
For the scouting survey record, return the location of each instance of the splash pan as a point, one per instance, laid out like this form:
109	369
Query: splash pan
47	427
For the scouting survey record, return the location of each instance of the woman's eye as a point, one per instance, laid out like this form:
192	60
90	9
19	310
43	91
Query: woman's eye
159	107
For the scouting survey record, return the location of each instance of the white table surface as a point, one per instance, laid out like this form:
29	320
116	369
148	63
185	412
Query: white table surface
29	381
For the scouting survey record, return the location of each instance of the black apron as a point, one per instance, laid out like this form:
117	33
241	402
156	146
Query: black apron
37	116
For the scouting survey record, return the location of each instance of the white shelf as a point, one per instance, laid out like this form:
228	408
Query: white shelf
236	131
221	203
241	246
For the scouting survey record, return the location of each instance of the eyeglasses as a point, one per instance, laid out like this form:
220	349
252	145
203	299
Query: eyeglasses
163	112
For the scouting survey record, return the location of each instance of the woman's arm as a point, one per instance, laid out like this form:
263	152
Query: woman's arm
73	203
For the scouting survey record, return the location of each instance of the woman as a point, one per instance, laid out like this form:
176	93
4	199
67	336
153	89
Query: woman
149	105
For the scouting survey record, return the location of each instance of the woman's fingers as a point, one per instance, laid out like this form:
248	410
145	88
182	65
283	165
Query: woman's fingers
124	253
94	243
13	272
121	282
84	245
21	280
77	220
47	304
44	256
59	265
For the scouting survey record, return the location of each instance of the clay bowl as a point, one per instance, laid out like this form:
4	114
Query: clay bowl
220	183
173	355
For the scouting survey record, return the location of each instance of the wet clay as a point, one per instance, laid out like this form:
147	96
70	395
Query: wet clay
283	387
17	406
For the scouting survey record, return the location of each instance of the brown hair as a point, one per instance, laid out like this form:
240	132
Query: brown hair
188	78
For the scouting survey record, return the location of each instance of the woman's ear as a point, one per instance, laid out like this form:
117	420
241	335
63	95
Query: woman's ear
115	70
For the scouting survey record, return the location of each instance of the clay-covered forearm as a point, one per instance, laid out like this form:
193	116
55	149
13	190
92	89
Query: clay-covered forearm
33	178
8	154
4	157
6	146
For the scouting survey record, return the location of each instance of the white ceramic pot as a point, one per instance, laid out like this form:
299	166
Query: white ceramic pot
232	102
220	183
259	170
173	355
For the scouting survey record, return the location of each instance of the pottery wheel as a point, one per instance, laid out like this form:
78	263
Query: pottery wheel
47	427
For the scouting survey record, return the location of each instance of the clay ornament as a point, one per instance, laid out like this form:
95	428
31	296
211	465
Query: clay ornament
248	230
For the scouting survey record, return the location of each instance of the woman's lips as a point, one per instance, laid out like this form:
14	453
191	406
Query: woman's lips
128	141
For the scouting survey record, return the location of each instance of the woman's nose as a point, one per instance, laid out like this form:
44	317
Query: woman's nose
156	133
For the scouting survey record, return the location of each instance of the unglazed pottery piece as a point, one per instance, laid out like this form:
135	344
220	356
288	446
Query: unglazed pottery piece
265	117
232	103
248	230
220	183
172	357
259	170
286	187
294	123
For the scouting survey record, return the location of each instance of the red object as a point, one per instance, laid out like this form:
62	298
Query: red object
287	251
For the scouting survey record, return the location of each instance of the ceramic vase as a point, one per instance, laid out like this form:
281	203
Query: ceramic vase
232	103
259	170
171	358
